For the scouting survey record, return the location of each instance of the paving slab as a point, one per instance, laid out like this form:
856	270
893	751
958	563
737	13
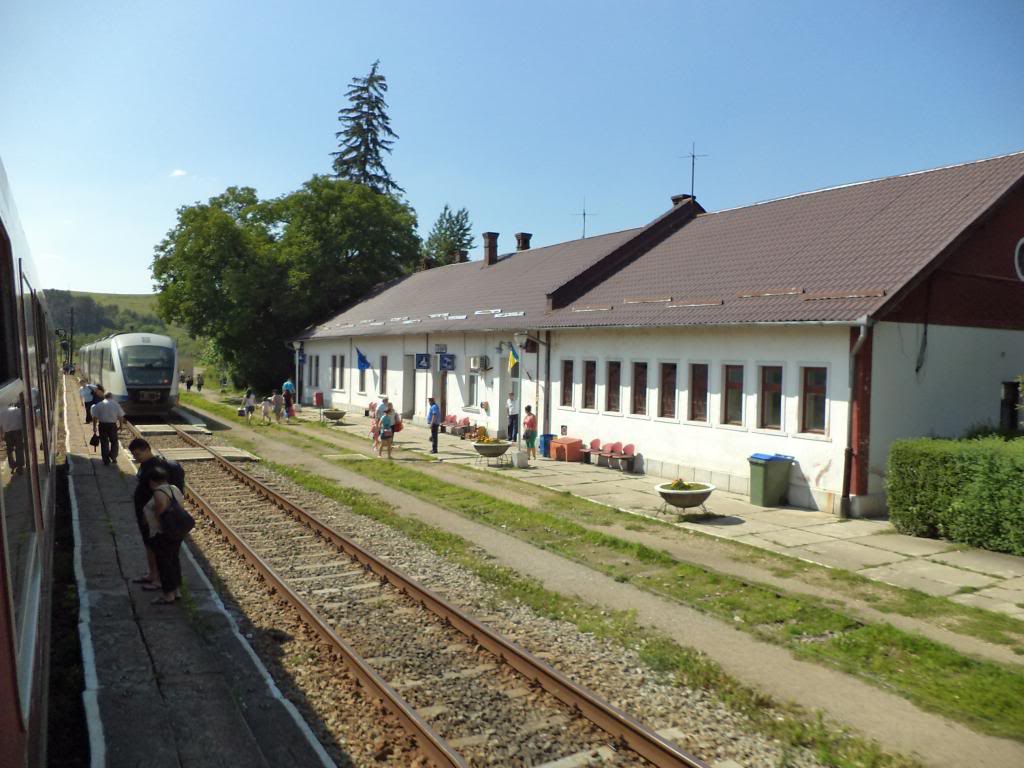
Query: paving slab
851	529
844	554
927	576
992	563
794	537
979	600
1000	592
754	540
730	527
905	545
791	518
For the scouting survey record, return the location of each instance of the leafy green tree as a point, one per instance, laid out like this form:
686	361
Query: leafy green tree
366	134
451	233
249	274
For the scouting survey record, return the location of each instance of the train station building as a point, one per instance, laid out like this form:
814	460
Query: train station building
821	326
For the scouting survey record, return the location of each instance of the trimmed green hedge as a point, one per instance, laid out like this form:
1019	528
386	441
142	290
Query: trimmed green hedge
971	491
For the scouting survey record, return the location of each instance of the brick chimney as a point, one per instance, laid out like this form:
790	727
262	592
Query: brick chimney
463	257
523	241
490	248
677	199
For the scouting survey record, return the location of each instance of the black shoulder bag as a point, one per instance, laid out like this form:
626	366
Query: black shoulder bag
175	521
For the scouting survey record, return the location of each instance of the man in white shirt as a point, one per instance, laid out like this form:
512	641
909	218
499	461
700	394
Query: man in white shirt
12	423
107	418
85	392
513	417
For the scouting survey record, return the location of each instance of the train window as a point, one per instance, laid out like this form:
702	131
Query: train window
147	365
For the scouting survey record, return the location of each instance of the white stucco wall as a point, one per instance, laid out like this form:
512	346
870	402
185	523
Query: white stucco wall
708	451
959	385
713	451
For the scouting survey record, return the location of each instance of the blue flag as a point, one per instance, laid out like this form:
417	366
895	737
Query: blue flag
363	363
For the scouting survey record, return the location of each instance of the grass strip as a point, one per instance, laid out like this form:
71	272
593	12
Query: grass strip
791	724
982	694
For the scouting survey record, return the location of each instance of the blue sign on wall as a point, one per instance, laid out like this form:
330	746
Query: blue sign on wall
422	361
447	362
302	357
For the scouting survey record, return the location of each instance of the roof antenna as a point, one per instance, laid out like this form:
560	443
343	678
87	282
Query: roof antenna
692	154
584	213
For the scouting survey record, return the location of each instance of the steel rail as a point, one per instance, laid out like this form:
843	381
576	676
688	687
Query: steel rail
627	730
428	740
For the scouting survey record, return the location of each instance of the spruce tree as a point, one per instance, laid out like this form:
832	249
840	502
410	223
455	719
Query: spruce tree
450	234
366	134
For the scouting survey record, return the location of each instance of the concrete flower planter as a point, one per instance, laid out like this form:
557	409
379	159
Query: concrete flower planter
685	499
333	414
491	450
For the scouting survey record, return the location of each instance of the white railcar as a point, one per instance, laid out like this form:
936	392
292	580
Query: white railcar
138	368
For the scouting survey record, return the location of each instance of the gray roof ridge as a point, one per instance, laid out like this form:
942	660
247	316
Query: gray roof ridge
865	181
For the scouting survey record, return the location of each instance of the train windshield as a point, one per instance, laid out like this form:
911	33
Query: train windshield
147	366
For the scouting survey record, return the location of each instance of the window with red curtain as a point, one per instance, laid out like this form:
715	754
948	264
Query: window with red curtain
698	392
667	391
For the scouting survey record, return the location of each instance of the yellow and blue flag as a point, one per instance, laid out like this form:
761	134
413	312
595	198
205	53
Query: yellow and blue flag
513	359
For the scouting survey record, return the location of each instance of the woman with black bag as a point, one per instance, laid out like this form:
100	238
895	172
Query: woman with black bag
166	534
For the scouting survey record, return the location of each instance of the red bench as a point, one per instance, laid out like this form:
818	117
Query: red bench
627	456
593	450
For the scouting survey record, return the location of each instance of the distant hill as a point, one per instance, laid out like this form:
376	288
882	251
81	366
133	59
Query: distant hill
101	314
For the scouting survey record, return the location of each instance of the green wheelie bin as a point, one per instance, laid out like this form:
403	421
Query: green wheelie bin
769	479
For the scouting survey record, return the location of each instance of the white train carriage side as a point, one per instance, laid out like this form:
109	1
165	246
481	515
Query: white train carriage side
138	368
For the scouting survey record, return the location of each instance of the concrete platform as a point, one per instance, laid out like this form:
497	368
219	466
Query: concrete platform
167	429
198	454
165	685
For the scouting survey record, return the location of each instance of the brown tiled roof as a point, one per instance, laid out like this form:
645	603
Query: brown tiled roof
517	283
832	255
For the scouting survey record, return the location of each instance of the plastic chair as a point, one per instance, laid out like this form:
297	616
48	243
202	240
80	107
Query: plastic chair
595	449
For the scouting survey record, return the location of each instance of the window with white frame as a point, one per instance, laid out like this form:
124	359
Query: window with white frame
567	383
639	389
341	372
732	395
613	386
770	398
590	384
472	389
667	391
814	381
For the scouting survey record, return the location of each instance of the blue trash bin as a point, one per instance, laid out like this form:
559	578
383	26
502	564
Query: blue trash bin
544	444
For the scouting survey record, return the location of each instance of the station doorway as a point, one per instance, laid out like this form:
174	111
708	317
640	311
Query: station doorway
408	386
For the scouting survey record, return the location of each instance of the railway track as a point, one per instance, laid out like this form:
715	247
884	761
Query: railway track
467	695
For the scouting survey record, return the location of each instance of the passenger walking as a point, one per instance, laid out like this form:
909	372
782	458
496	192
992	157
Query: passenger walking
530	433
189	381
147	461
181	376
288	412
278	400
199	382
107	418
250	404
513	417
165	548
288	386
378	414
97	397
434	420
12	428
266	408
387	431
86	394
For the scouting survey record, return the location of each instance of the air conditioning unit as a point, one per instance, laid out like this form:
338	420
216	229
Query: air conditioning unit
479	363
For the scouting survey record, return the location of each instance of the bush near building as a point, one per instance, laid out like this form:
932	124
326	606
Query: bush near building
969	491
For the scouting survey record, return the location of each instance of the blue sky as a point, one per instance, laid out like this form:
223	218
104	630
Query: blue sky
514	110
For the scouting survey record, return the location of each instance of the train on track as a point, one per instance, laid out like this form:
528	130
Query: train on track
138	368
29	380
